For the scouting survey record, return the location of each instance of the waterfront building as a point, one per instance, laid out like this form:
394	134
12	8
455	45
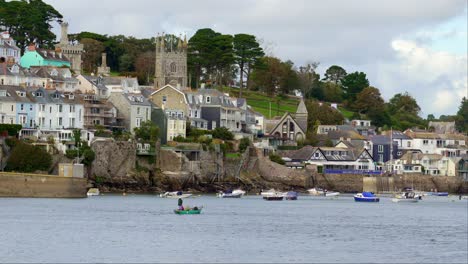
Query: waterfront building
41	57
449	145
71	49
8	105
381	149
9	52
170	98
430	164
54	78
134	108
171	63
100	112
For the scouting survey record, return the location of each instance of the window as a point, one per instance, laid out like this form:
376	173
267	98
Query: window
60	108
72	122
208	99
59	121
96	122
317	154
173	67
22	107
380	148
381	158
408	144
22	119
164	99
138	110
425	142
138	121
196	113
72	108
30	107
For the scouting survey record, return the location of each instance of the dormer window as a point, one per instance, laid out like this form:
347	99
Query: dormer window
20	93
3	93
15	69
54	72
56	96
39	94
71	96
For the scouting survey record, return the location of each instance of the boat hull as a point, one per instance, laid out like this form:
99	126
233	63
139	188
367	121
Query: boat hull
182	196
367	199
230	195
398	200
291	198
273	198
182	212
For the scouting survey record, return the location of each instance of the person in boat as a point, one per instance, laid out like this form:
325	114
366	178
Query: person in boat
180	204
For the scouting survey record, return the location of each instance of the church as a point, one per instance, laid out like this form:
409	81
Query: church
171	62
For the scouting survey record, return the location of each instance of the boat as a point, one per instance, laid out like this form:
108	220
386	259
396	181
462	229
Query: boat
366	197
315	191
331	194
175	195
272	195
238	193
93	192
291	195
439	193
195	210
407	197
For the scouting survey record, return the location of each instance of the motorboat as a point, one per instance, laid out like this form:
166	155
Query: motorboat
366	197
331	194
175	195
315	191
272	195
439	193
407	197
229	194
93	192
291	195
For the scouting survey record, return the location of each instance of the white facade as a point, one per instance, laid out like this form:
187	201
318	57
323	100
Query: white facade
9	52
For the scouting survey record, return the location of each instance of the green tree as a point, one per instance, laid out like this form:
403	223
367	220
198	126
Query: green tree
244	143
400	103
430	117
200	57
321	114
92	56
368	100
28	158
308	79
353	84
148	131
29	21
461	121
332	92
335	74
247	52
223	133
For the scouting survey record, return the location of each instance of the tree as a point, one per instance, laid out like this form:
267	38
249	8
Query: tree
400	103
247	53
222	133
244	143
368	100
29	22
28	158
321	114
461	121
332	92
200	58
222	59
148	131
92	56
335	74
145	66
308	78
430	117
268	77
353	84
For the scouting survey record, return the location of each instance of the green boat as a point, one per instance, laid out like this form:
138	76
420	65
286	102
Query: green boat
191	211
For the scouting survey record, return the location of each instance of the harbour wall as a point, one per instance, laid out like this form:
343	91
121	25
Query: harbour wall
41	185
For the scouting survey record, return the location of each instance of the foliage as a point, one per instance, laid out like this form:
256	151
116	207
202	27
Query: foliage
222	133
274	76
29	21
309	80
11	142
148	131
461	121
12	129
335	74
28	158
332	92
247	54
276	158
353	84
244	143
92	56
322	113
404	110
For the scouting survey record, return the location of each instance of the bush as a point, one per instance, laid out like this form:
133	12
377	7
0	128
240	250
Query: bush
28	158
222	133
244	143
12	129
276	158
11	142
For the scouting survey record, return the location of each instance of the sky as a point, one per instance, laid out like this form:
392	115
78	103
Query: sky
415	46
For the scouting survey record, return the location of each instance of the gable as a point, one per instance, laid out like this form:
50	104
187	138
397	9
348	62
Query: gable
365	155
317	155
286	117
169	90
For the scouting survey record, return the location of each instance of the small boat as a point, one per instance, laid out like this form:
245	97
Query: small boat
439	193
366	197
238	191
407	197
315	191
272	195
175	195
229	195
331	194
93	192
194	210
290	195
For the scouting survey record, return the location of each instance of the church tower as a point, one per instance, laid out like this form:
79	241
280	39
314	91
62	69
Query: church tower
302	115
72	51
171	62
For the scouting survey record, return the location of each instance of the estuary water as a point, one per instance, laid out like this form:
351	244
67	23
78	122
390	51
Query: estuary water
144	228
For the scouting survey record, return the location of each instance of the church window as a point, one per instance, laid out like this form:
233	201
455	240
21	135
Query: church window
164	99
173	67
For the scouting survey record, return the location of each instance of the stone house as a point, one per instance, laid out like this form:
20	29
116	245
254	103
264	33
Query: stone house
170	98
93	85
133	108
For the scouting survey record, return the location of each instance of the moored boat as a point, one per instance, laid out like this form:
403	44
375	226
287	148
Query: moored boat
331	194
439	193
291	195
322	192
93	192
366	197
272	195
175	195
407	197
229	195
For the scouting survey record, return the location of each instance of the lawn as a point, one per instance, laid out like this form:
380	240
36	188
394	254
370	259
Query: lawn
346	113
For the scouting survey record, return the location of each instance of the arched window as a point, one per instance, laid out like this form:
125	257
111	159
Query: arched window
173	67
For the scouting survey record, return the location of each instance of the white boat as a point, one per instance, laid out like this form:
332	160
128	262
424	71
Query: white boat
238	193
175	195
407	197
272	195
93	192
331	194
321	192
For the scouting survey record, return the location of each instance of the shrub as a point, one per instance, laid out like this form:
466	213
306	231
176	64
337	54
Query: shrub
11	142
28	158
244	143
276	158
222	133
12	129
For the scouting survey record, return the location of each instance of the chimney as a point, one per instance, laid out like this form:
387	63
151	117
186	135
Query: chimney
348	139
59	52
31	47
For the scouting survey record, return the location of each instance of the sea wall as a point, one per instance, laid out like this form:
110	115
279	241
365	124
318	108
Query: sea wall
41	185
114	159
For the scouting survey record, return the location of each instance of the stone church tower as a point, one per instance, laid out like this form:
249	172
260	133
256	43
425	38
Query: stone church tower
302	115
72	51
171	63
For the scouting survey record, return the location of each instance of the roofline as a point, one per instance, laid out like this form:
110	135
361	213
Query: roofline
170	86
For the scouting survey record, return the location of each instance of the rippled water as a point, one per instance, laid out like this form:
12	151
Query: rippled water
143	228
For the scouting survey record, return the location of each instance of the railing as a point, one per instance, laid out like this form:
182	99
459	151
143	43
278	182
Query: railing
332	171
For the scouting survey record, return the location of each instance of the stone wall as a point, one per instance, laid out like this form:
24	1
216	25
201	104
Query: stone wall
274	172
114	159
39	185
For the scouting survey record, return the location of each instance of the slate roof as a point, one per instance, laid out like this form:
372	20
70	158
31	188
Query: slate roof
144	101
380	139
303	154
352	134
51	55
301	108
217	98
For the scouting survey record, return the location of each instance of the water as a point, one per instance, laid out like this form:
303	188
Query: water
143	228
